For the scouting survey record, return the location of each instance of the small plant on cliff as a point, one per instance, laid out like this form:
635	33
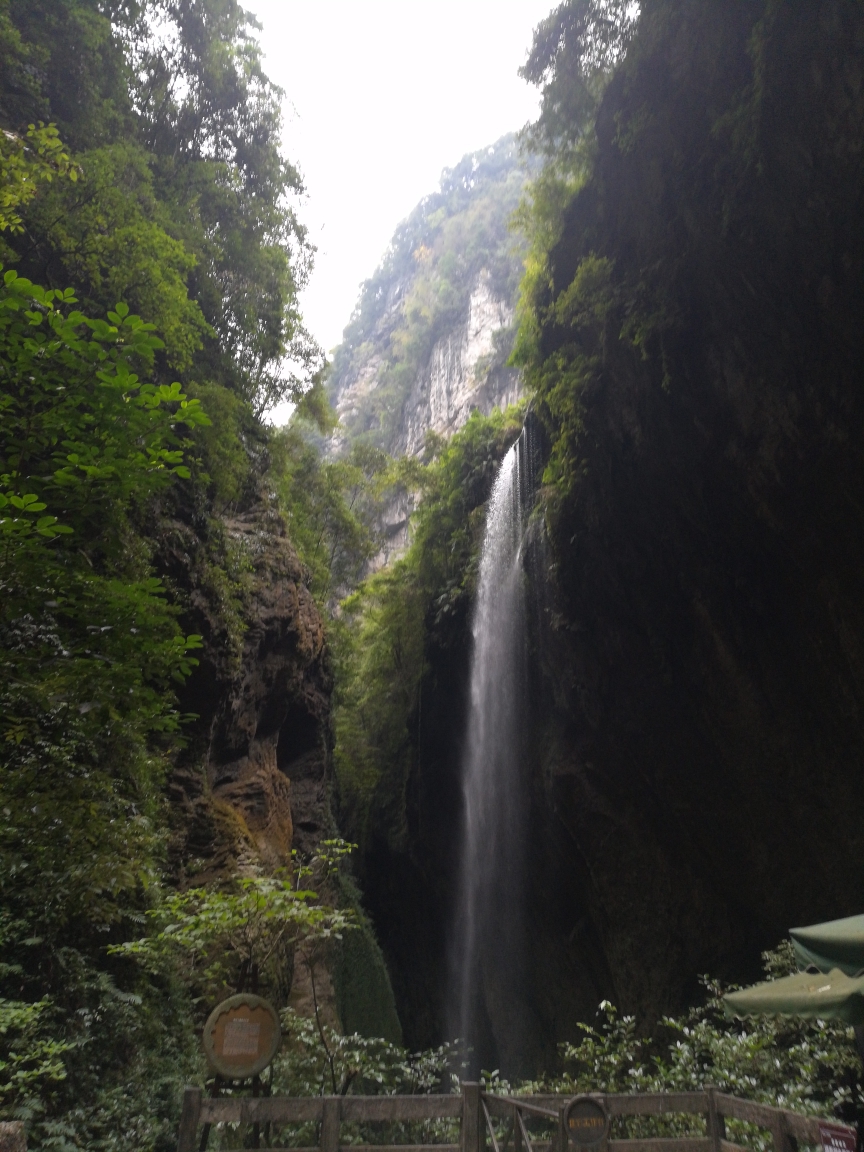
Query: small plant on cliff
245	937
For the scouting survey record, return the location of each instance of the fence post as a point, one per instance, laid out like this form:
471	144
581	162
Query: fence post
189	1119
714	1123
783	1142
472	1133
330	1118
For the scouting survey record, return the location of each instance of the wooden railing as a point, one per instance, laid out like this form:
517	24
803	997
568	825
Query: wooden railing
477	1110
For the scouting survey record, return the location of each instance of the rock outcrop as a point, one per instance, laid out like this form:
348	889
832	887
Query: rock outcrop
464	374
253	783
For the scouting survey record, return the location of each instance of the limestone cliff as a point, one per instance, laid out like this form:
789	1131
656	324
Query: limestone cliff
465	371
432	330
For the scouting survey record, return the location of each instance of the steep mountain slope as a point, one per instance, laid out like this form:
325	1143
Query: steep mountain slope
432	330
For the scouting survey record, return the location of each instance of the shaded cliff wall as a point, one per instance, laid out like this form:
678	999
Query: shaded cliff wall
252	783
704	753
697	670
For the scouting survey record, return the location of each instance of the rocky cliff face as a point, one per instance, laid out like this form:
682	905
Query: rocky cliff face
465	372
430	334
697	667
253	784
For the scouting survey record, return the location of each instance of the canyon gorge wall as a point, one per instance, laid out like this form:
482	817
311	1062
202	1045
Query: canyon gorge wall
254	784
695	683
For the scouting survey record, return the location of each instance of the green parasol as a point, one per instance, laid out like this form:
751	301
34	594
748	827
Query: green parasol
834	944
810	995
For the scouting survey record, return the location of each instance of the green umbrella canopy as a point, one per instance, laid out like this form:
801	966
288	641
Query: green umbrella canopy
834	996
834	944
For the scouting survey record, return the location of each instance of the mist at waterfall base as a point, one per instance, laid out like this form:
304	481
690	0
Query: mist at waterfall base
487	980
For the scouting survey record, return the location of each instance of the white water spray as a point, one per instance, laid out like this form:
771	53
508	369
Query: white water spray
487	943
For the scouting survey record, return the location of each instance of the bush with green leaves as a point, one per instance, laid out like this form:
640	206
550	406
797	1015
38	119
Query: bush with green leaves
243	937
28	161
809	1066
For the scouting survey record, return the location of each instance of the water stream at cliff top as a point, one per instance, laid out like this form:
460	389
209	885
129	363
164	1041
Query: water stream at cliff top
487	938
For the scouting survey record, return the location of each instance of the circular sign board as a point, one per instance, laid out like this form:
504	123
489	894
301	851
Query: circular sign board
586	1122
241	1036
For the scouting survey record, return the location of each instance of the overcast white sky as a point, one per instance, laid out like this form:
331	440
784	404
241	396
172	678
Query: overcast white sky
380	96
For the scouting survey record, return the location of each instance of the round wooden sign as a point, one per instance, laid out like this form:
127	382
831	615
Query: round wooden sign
241	1036
586	1122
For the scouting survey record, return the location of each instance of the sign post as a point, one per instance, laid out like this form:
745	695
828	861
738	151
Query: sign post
583	1125
241	1037
837	1138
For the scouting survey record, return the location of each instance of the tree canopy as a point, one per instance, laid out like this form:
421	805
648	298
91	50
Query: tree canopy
185	206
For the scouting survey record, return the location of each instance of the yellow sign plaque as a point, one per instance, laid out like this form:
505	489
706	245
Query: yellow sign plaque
241	1036
586	1122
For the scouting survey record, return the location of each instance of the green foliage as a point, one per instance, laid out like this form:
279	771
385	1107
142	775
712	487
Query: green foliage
242	936
89	652
113	236
573	54
228	456
73	405
32	1058
25	164
88	645
332	504
811	1067
316	1061
186	207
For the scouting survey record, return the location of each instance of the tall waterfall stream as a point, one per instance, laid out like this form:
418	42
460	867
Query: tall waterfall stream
487	937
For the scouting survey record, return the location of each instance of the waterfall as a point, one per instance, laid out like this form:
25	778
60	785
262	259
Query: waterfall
487	939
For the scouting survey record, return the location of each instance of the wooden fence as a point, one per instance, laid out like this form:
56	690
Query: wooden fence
477	1111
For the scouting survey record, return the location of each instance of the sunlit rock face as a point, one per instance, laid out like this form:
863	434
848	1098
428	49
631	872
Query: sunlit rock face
465	371
460	376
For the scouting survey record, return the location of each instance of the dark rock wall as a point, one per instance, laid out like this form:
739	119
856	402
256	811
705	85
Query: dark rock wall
706	747
696	763
254	780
